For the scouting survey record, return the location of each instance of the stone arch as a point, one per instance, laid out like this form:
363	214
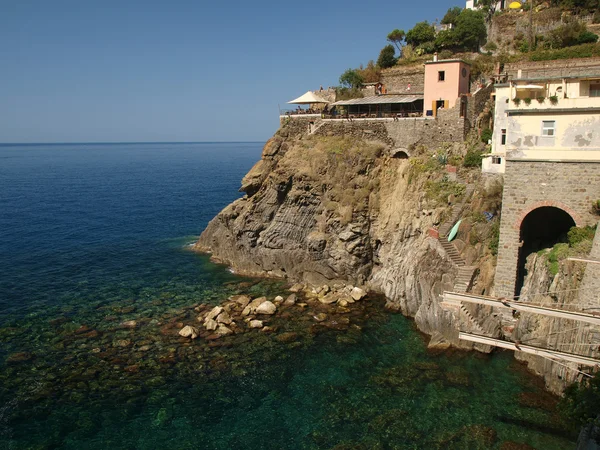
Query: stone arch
541	227
400	153
576	217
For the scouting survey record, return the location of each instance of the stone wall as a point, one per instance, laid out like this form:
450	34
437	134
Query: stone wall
528	185
556	68
476	104
589	296
405	133
397	79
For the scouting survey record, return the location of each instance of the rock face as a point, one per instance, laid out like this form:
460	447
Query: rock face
328	209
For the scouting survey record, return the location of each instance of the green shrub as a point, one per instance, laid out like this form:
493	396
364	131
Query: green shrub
579	405
541	100
495	237
486	135
517	101
472	158
527	101
490	46
576	235
579	51
553	99
441	190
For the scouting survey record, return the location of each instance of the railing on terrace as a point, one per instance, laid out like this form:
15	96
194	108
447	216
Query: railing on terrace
298	112
394	115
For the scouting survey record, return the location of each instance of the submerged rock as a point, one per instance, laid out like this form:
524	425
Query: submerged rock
214	312
357	293
290	301
256	324
211	324
266	308
189	331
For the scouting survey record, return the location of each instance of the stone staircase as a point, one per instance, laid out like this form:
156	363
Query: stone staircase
464	312
465	273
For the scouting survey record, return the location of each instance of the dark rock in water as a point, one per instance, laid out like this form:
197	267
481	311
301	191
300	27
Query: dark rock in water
510	445
539	400
133	368
286	337
19	357
58	321
122	343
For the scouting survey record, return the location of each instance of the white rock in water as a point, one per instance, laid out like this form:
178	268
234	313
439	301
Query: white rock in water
256	324
214	313
290	300
357	293
223	330
296	288
266	308
129	324
278	299
224	318
211	324
189	331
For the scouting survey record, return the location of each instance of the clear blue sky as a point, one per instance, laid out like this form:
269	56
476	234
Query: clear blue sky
126	70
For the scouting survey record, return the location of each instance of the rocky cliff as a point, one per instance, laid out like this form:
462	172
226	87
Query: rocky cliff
320	209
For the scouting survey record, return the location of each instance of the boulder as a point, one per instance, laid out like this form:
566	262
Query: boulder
320	317
225	318
189	331
357	293
129	324
291	300
329	299
286	337
253	305
211	324
296	288
223	330
278	299
241	300
256	324
266	308
214	312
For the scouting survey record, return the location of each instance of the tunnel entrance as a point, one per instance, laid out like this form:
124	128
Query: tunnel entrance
541	228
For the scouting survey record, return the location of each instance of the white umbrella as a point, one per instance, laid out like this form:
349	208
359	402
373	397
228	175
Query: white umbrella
529	86
308	99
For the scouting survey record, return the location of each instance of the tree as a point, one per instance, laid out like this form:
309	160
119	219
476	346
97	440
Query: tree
470	30
369	74
451	15
488	8
351	79
396	37
386	57
422	32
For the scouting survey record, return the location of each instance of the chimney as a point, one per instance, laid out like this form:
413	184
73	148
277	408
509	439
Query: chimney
435	57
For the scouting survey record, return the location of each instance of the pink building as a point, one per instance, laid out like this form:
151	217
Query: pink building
445	82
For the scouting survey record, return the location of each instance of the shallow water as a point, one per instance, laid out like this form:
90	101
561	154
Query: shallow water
92	236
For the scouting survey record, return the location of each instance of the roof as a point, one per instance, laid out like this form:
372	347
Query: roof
308	98
380	100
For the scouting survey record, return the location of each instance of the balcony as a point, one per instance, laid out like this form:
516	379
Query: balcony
553	105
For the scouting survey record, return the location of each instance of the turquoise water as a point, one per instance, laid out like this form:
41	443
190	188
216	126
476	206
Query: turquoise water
92	236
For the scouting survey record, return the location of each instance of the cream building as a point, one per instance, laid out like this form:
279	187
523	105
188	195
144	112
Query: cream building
547	118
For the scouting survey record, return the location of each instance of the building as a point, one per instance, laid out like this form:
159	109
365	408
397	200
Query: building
547	111
474	4
445	82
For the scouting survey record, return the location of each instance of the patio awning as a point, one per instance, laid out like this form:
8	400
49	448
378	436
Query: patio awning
529	86
380	100
308	99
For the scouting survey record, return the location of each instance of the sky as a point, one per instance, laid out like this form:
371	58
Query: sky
179	71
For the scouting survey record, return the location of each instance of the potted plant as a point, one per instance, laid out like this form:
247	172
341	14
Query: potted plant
541	100
517	101
527	101
554	99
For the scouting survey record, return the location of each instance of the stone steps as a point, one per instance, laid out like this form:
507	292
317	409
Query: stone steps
464	312
464	278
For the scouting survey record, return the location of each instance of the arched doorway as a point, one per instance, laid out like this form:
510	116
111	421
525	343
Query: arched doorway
541	228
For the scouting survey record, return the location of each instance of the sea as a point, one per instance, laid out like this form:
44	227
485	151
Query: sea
97	274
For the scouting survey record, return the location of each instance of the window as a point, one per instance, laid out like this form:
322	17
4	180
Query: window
548	127
441	75
503	138
594	90
496	160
